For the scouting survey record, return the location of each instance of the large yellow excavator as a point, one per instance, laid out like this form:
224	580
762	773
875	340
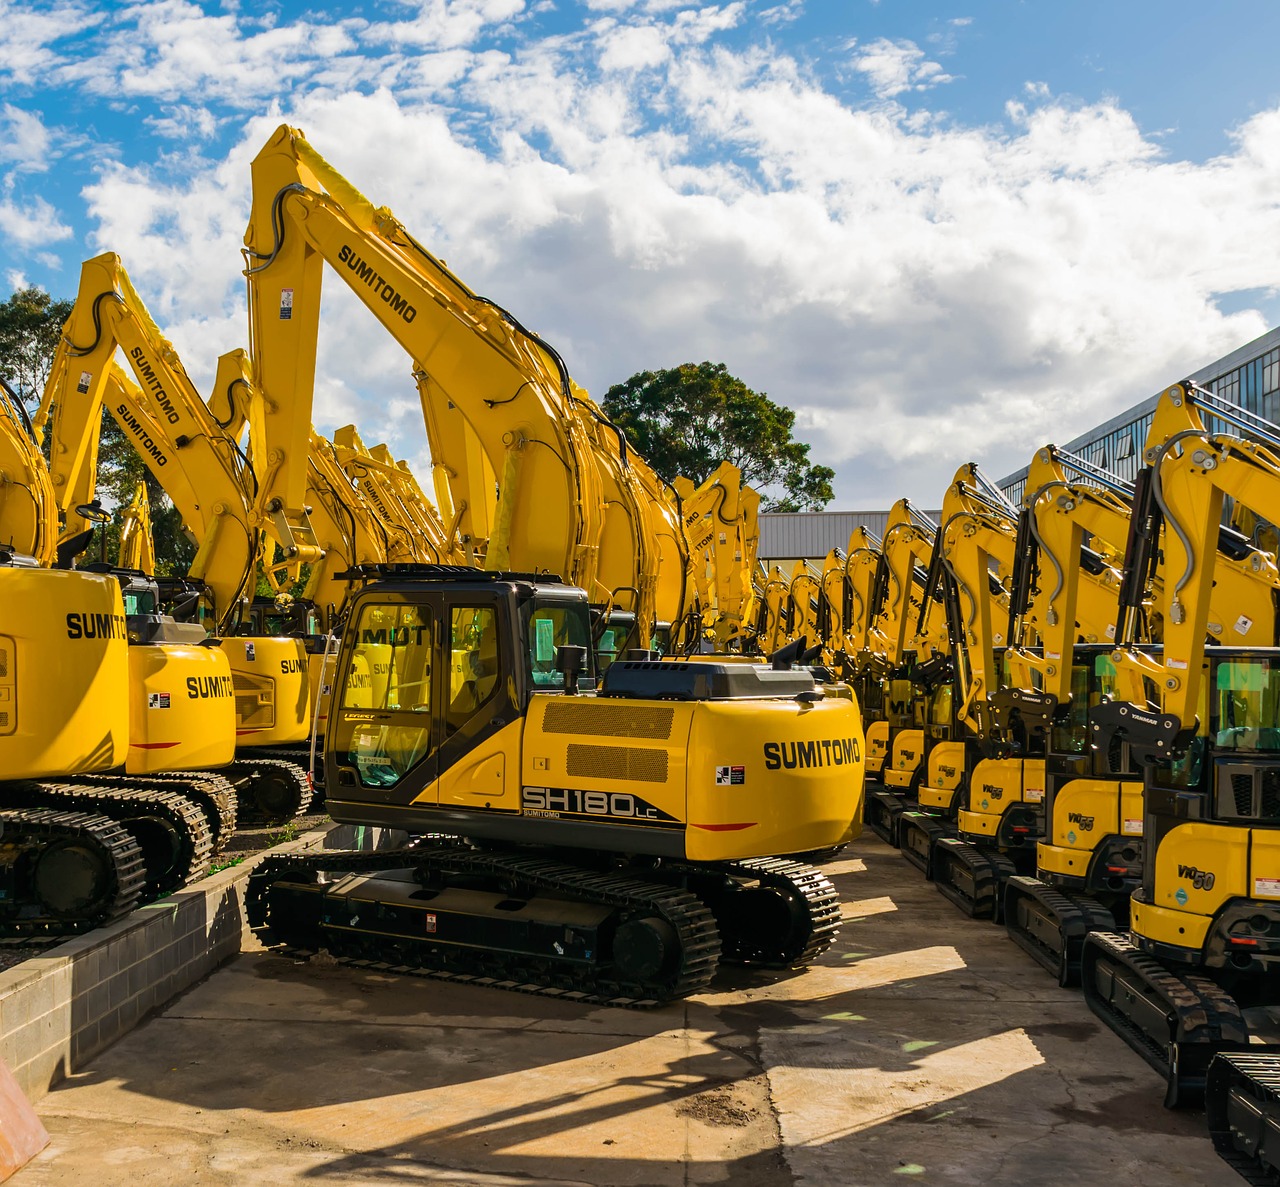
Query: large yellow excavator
212	482
1203	926
721	524
92	681
606	843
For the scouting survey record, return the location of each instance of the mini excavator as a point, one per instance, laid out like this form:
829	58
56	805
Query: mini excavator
1203	944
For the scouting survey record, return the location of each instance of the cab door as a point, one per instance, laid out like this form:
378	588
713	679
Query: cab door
481	727
385	721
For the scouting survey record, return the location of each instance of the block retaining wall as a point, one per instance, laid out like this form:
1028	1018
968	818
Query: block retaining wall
61	1008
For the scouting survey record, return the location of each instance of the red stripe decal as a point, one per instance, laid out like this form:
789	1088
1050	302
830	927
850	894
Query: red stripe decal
726	828
154	745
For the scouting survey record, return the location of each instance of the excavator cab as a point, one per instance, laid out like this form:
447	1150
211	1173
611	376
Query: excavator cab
432	671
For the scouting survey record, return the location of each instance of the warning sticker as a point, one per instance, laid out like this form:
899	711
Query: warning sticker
1243	623
250	652
1111	630
286	304
86	378
1034	795
1175	663
157	700
429	920
1267	886
1131	828
730	776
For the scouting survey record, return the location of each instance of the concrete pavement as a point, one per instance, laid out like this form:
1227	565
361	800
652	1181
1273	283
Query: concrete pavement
925	1047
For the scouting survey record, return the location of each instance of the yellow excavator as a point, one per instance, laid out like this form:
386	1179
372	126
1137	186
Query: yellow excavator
94	681
137	544
721	525
211	481
1090	859
1202	944
607	843
904	653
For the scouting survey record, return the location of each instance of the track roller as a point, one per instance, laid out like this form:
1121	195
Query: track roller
1176	1022
171	831
504	920
770	911
1051	924
65	872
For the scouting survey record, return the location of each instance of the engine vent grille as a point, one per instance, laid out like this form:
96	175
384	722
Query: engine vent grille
602	720
255	701
1248	791
8	687
616	762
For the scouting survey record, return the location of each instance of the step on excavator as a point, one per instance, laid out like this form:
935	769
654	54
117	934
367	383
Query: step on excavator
609	844
1196	972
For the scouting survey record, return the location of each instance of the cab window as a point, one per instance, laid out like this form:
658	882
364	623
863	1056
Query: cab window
549	625
1246	705
389	671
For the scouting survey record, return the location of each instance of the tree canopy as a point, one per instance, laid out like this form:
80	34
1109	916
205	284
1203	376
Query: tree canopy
688	419
30	324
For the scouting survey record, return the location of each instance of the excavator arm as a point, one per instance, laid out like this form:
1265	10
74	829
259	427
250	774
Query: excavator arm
185	446
508	384
28	510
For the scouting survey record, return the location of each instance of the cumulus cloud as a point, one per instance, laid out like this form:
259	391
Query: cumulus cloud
893	67
643	190
30	223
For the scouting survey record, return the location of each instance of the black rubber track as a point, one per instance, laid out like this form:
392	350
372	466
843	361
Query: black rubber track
29	831
692	921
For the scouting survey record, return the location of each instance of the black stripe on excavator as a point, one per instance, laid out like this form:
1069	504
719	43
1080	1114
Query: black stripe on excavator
512	825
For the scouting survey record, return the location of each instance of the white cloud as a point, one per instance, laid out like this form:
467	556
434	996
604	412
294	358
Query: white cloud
782	14
893	67
26	145
16	280
921	291
30	222
633	47
28	35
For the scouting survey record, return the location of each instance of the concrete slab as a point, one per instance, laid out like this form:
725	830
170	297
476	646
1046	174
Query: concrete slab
925	1046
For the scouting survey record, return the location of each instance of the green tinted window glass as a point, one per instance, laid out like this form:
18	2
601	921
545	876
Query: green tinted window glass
549	625
389	670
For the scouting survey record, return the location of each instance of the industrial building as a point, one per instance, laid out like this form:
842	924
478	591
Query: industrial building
1248	376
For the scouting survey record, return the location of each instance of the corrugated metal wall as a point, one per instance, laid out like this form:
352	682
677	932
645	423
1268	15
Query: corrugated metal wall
810	535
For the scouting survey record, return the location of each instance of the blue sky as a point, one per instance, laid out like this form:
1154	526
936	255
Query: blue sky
940	232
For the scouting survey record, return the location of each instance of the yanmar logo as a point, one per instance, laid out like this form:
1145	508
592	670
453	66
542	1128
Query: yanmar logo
1085	823
1200	879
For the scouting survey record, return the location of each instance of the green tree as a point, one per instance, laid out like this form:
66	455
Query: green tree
689	419
30	325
